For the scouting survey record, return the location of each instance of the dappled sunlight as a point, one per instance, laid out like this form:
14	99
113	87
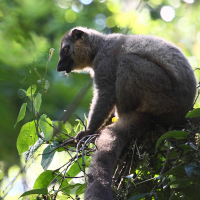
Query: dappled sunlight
63	3
198	37
167	13
183	23
77	6
175	3
70	16
190	32
189	1
86	2
100	22
145	17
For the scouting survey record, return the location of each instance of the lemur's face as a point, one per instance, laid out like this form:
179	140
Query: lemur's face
66	60
74	52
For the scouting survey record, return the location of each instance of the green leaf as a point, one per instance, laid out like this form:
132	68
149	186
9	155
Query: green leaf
35	191
28	154
177	181
44	179
74	169
189	192
46	126
65	128
80	190
27	137
60	126
175	171
68	187
38	101
172	134
186	148
79	126
68	127
31	90
23	91
21	113
51	53
65	187
138	196
47	158
194	113
85	120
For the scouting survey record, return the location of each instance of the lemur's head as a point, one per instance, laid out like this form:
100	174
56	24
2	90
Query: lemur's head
75	52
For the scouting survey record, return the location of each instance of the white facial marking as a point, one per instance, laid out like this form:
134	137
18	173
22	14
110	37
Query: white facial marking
65	44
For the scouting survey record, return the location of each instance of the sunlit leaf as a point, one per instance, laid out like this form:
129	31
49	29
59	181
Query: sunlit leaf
28	154
74	169
38	101
47	127
62	127
172	134
35	191
27	137
68	127
80	190
21	113
31	90
47	157
79	126
44	179
85	120
194	113
51	53
67	186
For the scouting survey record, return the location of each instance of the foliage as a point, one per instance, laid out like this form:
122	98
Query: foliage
169	172
28	29
164	164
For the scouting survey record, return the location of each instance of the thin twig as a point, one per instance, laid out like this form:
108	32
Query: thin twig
132	158
81	121
168	150
61	145
60	183
58	130
77	148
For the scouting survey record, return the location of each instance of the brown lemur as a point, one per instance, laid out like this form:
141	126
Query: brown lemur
144	78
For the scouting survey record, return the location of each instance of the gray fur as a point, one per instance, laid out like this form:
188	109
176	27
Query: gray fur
144	78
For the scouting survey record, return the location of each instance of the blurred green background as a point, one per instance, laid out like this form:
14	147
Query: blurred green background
29	28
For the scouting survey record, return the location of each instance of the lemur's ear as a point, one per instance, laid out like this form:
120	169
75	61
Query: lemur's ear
76	33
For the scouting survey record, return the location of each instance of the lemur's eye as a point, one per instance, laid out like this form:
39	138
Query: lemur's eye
66	49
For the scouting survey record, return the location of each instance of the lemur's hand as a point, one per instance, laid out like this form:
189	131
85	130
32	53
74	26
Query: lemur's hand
82	134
